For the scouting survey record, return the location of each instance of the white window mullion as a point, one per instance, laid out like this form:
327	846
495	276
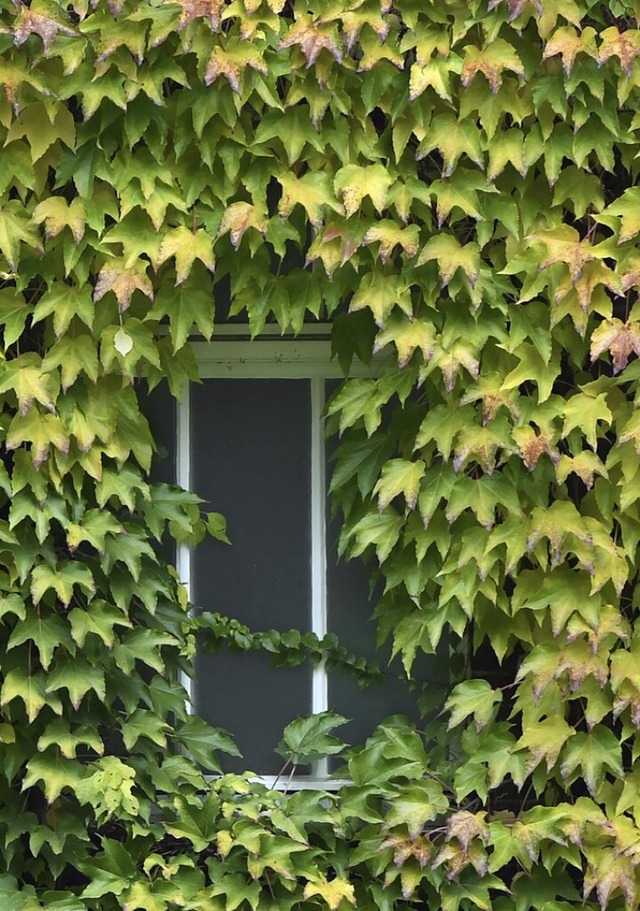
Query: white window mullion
183	479
319	680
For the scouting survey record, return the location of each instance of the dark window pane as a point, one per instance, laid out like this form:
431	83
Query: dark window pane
243	693
250	451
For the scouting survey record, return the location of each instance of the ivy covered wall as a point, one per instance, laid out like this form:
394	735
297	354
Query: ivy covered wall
452	184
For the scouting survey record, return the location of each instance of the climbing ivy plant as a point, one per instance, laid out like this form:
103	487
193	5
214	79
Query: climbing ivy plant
451	184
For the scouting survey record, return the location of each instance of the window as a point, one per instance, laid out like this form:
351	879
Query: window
251	442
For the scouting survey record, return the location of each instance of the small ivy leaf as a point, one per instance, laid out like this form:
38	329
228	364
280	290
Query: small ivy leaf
191	305
381	293
408	335
16	229
108	789
143	723
238	218
610	871
353	21
583	412
307	739
202	742
59	734
63	303
623	45
57	214
275	854
627	208
74	354
142	894
491	61
490	392
380	530
568	42
41	430
62	580
19	684
436	74
313	191
333	892
544	741
358	399
217	527
408	196
312	39
562	525
30	22
389	235
187	246
199	9
30	383
450	362
232	61
420	802
451	255
453	138
563	245
291	129
620	339
334	246
458	192
589	756
472	697
45	632
586	289
532	368
353	183
98	619
123	280
41	131
399	476
96	524
484	445
466	827
54	770
583	192
122	342
197	824
586	465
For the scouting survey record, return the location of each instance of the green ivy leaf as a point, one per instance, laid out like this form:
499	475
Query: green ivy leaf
46	633
61	580
353	183
77	677
308	739
198	825
54	770
333	893
591	754
30	689
400	476
59	734
544	742
473	697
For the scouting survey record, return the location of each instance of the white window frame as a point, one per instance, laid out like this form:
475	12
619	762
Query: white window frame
308	356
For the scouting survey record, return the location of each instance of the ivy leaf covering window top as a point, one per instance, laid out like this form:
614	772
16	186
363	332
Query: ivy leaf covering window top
453	185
